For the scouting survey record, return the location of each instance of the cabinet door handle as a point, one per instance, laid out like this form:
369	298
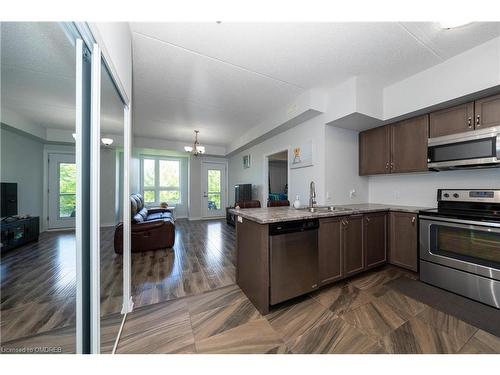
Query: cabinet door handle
367	219
478	120
469	122
413	219
387	165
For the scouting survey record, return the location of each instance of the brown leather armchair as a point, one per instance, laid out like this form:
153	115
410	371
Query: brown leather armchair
151	229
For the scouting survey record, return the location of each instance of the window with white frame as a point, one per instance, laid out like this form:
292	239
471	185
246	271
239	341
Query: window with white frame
161	180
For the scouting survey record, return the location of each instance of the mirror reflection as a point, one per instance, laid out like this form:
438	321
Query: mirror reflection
111	208
38	186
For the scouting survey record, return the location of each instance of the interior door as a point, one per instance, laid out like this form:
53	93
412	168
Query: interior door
62	191
213	189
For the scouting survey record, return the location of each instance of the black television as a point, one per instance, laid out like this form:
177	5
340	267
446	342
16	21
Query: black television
242	192
8	192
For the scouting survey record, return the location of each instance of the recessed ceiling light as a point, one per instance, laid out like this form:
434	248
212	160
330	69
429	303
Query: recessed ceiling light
452	24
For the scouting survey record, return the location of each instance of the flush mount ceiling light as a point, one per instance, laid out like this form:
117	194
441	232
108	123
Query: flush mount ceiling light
107	141
452	24
195	149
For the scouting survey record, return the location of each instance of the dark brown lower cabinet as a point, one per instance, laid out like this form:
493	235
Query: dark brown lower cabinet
353	250
403	240
375	239
330	250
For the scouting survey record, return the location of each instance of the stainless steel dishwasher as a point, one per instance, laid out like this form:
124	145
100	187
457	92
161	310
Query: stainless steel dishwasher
293	259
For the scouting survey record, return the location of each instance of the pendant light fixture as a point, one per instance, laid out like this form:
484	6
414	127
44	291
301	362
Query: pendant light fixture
196	149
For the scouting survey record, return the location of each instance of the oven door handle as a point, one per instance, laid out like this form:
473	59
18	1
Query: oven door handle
460	221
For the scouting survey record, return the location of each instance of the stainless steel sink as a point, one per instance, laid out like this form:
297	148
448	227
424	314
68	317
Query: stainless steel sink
325	209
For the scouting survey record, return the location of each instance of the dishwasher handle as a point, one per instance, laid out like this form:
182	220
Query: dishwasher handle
276	229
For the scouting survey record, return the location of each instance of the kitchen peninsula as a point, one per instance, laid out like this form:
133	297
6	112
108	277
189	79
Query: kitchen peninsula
284	252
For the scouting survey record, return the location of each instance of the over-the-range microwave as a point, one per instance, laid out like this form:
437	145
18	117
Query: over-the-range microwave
473	149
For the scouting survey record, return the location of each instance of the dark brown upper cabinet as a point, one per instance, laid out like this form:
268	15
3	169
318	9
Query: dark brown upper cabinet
375	239
452	120
409	145
375	151
403	245
395	148
487	112
353	250
482	113
330	250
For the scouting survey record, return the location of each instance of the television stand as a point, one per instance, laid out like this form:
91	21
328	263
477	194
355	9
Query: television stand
18	232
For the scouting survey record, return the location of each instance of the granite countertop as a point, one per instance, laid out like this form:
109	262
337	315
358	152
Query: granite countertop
278	214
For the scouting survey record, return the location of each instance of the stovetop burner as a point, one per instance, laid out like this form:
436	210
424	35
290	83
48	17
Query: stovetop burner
477	205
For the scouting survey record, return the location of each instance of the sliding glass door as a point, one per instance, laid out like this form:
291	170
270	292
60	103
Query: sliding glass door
39	261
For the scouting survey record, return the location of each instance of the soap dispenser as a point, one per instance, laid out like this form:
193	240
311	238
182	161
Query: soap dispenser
296	203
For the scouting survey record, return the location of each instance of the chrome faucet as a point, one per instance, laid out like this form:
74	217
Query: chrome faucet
312	195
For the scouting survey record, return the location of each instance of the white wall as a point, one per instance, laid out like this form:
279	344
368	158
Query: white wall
341	171
471	71
420	189
22	162
313	129
165	144
194	211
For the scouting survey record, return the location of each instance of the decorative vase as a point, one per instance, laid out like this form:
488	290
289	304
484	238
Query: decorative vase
296	203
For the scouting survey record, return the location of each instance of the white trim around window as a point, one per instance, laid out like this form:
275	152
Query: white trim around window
156	187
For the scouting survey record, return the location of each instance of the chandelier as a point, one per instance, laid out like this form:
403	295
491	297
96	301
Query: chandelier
196	149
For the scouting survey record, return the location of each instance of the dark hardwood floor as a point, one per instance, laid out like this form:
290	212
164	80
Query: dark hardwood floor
38	291
202	259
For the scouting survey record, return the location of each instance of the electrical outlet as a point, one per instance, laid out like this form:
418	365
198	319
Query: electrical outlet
397	194
328	195
352	193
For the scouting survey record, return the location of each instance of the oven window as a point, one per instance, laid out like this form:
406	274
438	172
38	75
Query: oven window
476	149
470	245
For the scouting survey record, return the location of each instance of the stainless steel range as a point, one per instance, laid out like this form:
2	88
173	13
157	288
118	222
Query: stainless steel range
460	244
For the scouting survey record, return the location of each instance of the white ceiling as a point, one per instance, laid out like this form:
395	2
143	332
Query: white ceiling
38	78
225	78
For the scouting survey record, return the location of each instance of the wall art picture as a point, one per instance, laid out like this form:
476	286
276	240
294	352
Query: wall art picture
302	156
247	161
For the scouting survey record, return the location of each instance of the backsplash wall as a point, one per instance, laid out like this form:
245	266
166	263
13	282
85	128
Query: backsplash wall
420	189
